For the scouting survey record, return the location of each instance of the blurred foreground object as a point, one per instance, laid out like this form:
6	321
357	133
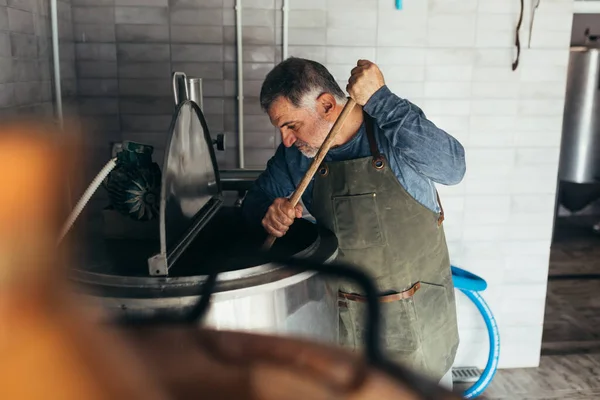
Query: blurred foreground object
51	349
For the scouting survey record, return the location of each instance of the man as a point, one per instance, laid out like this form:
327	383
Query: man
375	190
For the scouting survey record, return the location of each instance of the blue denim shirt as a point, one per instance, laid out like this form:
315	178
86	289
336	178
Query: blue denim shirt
418	152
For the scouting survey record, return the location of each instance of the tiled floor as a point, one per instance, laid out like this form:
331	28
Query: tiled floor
570	364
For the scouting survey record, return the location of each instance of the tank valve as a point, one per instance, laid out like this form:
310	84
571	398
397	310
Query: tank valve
219	142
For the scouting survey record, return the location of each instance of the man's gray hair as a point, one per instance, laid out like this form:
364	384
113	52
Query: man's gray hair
299	80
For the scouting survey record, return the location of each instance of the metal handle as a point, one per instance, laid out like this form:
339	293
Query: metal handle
194	87
219	142
179	80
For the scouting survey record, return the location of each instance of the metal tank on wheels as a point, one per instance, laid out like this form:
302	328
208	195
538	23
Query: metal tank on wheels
579	168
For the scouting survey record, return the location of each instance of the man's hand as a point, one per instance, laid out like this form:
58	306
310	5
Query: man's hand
280	216
365	80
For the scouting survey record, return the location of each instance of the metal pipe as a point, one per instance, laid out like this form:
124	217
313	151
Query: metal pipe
180	87
238	179
56	61
286	14
58	111
195	89
240	82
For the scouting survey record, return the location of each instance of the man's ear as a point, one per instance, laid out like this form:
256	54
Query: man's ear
326	104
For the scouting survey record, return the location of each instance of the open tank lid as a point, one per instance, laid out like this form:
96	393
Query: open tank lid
190	188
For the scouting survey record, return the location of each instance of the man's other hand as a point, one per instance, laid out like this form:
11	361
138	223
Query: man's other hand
365	80
280	216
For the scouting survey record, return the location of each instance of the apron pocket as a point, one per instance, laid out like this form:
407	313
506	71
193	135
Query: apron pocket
398	326
398	321
432	310
438	333
356	221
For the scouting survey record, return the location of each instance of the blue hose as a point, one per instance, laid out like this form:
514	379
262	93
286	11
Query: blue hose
470	284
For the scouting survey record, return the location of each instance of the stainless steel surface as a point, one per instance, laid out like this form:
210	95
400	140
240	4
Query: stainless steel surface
253	294
580	148
187	88
199	236
190	188
299	305
239	179
180	87
195	91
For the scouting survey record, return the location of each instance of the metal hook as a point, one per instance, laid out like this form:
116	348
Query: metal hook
534	7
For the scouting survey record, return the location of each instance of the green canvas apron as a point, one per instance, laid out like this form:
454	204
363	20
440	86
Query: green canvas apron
401	244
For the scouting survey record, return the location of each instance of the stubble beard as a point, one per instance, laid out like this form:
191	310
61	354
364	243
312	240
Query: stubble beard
323	127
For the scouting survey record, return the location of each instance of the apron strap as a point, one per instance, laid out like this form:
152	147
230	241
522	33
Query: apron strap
441	217
378	159
388	298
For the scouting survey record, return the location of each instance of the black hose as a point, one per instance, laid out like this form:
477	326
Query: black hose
352	273
421	385
200	309
196	315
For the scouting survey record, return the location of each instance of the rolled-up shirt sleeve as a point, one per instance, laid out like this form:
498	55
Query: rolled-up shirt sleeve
428	149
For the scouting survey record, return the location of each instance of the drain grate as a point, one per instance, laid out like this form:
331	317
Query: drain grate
465	375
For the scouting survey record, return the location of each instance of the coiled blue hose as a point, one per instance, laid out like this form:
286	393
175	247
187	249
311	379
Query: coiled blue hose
470	284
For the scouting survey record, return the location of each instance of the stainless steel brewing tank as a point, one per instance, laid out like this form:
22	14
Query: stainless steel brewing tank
252	294
580	148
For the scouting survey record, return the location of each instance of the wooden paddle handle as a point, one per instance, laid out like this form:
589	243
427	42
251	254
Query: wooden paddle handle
337	126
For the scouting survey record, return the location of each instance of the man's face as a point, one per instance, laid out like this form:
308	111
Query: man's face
301	127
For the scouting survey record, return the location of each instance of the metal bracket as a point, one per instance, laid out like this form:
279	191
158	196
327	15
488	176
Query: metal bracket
157	265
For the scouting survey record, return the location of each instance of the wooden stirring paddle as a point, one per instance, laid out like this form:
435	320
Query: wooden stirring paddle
335	129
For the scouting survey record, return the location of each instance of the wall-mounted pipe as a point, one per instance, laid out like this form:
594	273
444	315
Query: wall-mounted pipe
56	61
58	111
240	82
195	89
284	26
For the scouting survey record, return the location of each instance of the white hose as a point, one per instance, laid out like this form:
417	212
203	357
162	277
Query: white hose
87	195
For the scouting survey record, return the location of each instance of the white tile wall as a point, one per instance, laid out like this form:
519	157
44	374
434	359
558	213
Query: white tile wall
453	59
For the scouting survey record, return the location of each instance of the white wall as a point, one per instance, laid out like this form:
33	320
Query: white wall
453	58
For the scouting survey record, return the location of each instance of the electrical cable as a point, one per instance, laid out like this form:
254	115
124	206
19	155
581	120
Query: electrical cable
373	353
346	271
198	313
517	40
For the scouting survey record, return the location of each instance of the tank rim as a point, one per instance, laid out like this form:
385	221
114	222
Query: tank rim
323	249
